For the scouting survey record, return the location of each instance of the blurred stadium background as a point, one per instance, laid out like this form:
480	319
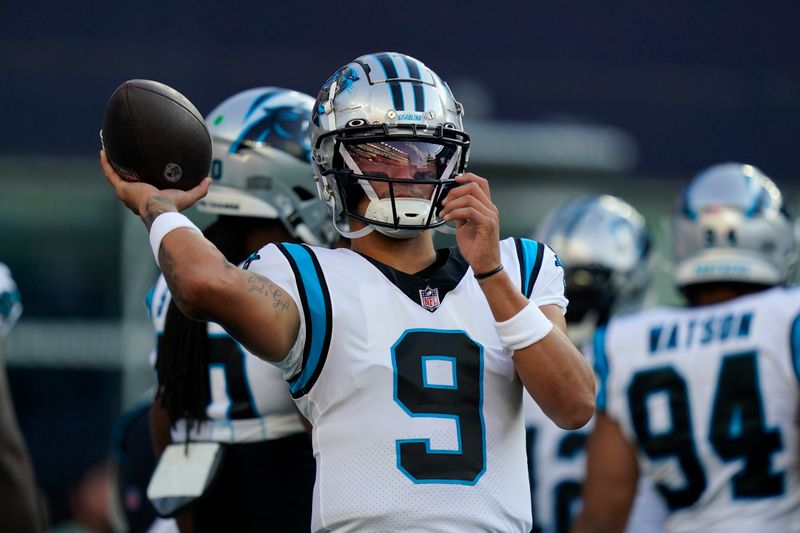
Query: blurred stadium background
561	98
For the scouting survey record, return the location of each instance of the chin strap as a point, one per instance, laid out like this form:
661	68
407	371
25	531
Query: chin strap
448	171
347	234
366	230
448	230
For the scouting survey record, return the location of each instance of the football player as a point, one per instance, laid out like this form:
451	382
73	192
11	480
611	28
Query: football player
20	507
408	361
704	399
211	389
605	246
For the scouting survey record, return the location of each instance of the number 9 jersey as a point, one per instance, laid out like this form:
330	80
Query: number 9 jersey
709	396
416	409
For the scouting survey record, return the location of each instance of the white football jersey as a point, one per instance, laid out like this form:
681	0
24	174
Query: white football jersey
557	468
250	400
557	461
416	409
709	396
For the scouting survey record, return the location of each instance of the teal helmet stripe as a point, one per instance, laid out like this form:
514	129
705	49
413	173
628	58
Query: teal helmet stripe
419	97
418	88
413	67
390	71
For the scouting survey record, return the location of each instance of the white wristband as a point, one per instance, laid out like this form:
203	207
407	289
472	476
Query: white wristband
163	224
528	326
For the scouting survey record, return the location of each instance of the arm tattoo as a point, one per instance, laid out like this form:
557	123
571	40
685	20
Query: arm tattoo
155	206
167	263
280	300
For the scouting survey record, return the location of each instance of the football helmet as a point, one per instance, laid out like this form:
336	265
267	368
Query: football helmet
261	163
730	224
387	140
605	247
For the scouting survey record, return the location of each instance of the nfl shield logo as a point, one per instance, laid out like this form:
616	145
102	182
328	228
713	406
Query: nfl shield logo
429	298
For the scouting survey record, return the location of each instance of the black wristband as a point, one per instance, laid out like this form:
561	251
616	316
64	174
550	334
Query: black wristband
490	273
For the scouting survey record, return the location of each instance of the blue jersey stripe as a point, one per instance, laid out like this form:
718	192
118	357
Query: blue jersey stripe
316	309
600	366
794	341
530	255
148	300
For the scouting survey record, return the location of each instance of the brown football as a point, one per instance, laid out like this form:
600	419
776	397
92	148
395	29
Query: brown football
153	133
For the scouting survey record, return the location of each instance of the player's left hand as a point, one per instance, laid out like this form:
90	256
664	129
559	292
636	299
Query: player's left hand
477	221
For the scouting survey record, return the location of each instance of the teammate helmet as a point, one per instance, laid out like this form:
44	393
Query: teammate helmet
261	162
730	224
605	245
380	123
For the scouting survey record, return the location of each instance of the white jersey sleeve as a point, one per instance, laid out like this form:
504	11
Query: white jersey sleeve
538	270
276	262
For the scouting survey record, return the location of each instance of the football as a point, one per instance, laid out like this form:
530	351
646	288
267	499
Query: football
152	133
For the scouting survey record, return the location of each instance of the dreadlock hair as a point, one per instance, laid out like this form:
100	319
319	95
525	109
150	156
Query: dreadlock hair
182	360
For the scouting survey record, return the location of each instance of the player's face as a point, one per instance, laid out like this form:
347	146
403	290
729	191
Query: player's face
408	161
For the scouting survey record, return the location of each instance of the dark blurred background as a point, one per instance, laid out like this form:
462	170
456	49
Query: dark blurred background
694	82
629	98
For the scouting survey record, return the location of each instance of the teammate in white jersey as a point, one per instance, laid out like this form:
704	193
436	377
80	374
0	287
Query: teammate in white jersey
605	245
210	387
409	362
704	399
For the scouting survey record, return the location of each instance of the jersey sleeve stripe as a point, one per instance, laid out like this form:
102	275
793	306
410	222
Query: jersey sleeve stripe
530	255
600	366
148	301
794	341
316	303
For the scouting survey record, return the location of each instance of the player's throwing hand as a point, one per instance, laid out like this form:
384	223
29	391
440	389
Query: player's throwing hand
147	201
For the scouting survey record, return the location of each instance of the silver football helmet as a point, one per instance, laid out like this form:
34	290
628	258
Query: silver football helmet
261	162
604	244
730	224
387	141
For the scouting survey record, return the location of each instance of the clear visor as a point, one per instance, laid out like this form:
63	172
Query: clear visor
403	160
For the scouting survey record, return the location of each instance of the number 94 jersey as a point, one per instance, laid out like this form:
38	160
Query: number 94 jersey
709	395
416	410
